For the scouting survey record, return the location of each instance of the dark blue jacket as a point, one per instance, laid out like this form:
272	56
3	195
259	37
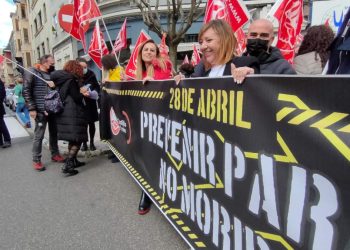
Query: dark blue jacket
339	60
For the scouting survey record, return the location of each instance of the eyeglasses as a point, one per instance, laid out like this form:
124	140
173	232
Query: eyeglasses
260	35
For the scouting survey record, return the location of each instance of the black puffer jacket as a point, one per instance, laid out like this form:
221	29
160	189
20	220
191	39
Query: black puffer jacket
2	97
35	89
72	122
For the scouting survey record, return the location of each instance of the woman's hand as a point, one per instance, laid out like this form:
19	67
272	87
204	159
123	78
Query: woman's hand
146	79
239	74
178	78
84	91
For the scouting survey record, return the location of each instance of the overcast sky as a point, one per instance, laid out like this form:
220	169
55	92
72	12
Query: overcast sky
6	7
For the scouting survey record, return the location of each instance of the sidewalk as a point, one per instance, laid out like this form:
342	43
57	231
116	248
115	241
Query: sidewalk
101	147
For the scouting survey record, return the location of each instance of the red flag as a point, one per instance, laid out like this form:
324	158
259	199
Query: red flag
241	41
84	10
185	61
98	47
2	59
232	11
130	69
289	14
120	41
195	56
163	48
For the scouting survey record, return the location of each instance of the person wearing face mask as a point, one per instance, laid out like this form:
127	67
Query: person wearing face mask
34	91
259	40
93	90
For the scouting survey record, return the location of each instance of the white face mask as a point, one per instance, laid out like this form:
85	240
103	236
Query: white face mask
85	71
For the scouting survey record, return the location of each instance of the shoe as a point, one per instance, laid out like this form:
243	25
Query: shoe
77	163
38	166
115	160
110	156
92	147
145	204
84	147
68	168
6	144
57	158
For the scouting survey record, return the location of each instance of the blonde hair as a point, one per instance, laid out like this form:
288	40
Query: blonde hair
228	41
141	66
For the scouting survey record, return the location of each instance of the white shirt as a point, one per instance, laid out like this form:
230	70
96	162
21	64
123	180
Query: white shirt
217	71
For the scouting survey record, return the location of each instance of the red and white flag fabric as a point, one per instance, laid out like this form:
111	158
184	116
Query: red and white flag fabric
130	69
289	14
233	11
195	56
163	48
241	41
2	59
84	10
121	40
185	61
98	47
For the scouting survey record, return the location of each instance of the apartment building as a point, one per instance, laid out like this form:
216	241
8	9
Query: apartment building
6	70
21	46
41	27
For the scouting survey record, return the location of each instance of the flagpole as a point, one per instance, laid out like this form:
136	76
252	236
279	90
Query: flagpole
25	69
110	40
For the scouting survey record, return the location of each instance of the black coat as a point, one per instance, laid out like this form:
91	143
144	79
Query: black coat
72	122
241	61
91	105
2	98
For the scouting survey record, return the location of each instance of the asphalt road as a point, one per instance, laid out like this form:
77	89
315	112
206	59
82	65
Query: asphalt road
96	209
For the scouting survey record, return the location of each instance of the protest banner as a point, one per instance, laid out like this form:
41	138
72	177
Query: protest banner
263	165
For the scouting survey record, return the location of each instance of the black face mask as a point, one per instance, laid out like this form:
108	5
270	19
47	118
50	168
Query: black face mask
51	68
257	47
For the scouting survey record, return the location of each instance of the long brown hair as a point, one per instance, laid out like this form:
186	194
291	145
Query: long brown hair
141	66
228	41
317	38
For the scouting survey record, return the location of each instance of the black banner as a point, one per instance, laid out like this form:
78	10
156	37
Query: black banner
263	165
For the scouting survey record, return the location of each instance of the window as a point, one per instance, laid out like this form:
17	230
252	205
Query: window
23	12
26	36
55	22
36	25
38	52
29	59
191	38
40	19
19	44
44	10
43	48
16	23
48	45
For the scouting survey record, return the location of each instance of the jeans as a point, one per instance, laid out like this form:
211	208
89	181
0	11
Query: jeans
23	114
41	121
4	133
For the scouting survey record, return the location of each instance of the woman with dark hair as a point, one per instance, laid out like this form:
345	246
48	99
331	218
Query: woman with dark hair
112	71
72	122
93	90
313	52
151	65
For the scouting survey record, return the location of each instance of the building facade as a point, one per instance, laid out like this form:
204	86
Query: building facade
21	46
7	72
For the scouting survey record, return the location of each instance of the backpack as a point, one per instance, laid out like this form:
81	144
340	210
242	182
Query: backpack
53	103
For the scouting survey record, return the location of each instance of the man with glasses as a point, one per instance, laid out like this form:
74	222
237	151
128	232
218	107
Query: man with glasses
34	91
259	40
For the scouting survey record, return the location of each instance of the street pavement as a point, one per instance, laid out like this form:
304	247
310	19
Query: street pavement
96	209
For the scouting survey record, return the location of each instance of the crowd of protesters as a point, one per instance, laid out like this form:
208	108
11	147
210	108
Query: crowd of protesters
79	90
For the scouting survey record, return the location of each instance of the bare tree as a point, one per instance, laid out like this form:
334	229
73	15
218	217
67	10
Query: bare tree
180	17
